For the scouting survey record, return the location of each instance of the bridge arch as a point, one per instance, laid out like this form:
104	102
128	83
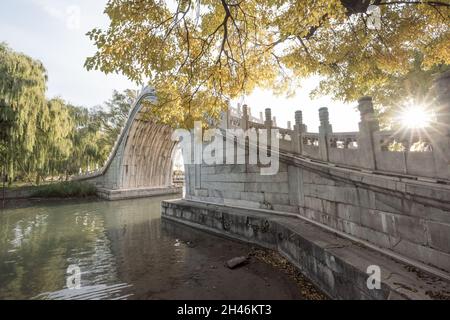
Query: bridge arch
142	158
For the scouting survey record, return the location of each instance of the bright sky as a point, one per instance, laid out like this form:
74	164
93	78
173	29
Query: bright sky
53	31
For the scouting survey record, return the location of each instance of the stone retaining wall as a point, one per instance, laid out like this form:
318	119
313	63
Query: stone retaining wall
408	217
336	265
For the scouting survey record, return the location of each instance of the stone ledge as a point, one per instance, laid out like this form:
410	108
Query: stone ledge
409	185
123	194
337	265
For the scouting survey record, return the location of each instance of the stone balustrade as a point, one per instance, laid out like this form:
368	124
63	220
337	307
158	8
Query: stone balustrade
410	152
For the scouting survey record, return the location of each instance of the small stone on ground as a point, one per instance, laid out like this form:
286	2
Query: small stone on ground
236	262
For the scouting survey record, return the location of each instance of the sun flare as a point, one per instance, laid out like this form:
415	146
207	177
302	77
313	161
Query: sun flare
415	117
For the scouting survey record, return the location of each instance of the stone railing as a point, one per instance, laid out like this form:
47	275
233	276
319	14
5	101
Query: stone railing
407	152
237	113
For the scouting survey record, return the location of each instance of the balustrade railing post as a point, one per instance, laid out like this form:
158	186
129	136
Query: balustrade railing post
268	125
245	118
296	187
325	130
297	139
245	126
366	139
440	135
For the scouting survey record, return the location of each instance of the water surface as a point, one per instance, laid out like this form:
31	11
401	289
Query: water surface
124	251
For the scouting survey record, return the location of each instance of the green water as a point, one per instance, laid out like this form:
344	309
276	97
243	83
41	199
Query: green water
39	243
123	250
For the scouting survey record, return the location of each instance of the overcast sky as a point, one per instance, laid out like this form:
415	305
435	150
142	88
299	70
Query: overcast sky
53	31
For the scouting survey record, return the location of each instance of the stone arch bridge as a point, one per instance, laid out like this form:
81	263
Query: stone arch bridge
141	161
340	203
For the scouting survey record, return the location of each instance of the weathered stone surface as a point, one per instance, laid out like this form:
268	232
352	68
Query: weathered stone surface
267	187
412	229
314	203
439	235
109	194
426	212
253	196
421	253
378	220
208	170
361	210
349	212
276	198
226	186
329	207
388	203
336	264
225	194
201	192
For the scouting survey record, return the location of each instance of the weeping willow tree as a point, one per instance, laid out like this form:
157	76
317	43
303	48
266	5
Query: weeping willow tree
88	152
96	131
22	108
36	134
42	138
53	142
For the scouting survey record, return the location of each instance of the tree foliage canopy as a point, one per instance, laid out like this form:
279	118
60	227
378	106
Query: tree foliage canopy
23	106
199	54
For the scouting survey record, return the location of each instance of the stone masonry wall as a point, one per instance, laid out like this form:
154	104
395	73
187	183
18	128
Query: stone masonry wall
410	218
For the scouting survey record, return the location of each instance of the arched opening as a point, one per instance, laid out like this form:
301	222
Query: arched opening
178	172
147	157
143	160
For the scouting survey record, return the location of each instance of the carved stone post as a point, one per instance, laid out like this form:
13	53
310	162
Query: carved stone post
295	174
325	130
245	126
368	125
268	124
245	118
297	141
441	136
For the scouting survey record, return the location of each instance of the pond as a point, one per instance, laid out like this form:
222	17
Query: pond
123	250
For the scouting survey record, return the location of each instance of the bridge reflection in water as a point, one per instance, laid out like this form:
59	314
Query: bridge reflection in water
124	251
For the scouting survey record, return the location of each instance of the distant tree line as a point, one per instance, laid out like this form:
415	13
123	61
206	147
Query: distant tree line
43	139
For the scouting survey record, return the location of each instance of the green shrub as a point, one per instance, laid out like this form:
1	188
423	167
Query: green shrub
65	190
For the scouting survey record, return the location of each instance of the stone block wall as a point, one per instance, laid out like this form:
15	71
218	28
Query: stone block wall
239	185
410	218
390	214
